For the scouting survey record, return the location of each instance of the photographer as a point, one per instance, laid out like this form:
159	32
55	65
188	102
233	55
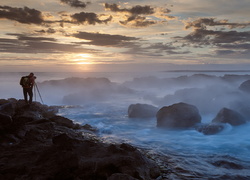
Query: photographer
27	82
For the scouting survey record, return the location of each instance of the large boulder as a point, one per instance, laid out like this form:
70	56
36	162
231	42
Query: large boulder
180	115
245	86
142	111
229	116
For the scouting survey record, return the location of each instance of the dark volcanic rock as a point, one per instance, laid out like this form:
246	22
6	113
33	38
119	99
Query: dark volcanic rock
64	122
210	129
5	120
229	116
7	106
41	145
142	111
180	115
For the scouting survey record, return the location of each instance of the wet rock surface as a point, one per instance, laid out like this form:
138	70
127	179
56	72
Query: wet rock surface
245	86
142	111
210	129
37	144
229	116
180	115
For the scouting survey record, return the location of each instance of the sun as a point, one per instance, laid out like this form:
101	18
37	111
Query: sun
82	58
84	55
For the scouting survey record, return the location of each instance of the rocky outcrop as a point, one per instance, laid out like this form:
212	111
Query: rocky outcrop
217	125
37	144
142	111
5	121
210	129
229	116
180	115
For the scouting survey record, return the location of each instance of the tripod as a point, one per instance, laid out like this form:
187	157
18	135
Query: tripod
36	88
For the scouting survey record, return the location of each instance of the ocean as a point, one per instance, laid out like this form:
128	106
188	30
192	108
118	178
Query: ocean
102	100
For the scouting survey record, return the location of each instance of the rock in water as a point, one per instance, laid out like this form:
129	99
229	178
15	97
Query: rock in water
210	129
229	116
180	115
142	111
245	86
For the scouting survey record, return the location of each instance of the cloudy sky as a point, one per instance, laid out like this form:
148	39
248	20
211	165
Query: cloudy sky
99	35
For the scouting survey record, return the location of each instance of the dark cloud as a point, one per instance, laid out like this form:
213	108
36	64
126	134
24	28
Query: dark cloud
31	44
202	23
132	43
203	35
135	16
236	46
224	52
48	31
22	15
168	48
22	37
75	3
142	10
233	54
134	10
138	21
113	7
105	39
89	18
162	46
31	16
10	45
225	42
211	37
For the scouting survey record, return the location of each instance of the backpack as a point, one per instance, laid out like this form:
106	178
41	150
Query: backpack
25	81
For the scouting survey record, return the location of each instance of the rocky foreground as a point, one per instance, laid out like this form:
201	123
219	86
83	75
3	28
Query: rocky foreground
35	143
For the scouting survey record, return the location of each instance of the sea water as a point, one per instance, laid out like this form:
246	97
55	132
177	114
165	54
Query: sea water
183	149
114	125
187	149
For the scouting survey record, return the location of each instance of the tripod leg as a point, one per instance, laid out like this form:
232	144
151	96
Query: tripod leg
35	92
39	93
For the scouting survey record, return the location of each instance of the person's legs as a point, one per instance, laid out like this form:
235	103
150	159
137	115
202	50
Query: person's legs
30	95
25	92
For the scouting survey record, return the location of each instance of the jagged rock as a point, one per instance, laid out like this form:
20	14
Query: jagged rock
210	129
33	112
89	128
63	121
5	120
7	108
180	115
229	116
49	148
142	111
64	140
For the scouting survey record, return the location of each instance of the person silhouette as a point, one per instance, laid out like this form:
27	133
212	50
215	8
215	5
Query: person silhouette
27	82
